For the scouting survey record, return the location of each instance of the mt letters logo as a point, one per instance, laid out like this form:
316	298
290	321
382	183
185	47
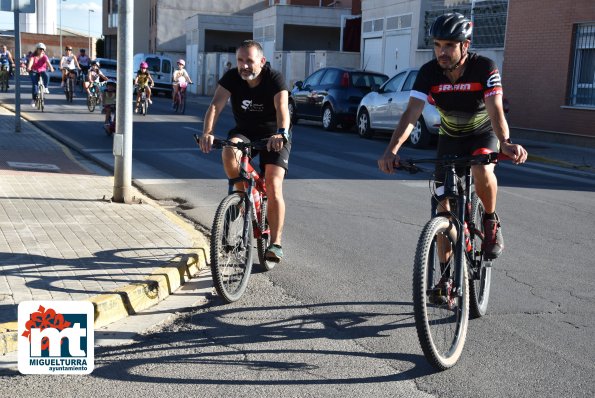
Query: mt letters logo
56	337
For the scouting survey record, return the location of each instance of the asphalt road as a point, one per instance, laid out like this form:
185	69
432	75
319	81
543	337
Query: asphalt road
335	319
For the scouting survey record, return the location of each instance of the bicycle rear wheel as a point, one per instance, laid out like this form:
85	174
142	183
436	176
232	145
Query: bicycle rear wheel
441	310
262	243
231	251
183	104
480	274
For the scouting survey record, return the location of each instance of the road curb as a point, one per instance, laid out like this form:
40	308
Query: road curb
130	299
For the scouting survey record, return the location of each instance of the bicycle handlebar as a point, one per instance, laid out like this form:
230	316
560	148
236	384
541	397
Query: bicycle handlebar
218	143
493	157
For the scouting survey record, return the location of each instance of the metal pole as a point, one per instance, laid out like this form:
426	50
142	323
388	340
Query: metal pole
60	27
90	55
123	137
17	73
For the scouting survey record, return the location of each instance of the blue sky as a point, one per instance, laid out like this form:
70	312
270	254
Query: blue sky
75	15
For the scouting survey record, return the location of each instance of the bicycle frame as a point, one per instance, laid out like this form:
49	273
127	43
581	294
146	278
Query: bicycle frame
254	188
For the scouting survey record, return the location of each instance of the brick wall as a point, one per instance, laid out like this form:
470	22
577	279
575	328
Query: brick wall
537	62
52	43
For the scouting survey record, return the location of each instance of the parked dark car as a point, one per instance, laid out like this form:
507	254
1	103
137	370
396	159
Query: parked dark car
331	95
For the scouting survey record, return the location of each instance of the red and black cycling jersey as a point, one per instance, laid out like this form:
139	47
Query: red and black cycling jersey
461	105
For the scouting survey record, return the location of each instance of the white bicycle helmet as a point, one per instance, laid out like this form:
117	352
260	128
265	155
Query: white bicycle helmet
40	45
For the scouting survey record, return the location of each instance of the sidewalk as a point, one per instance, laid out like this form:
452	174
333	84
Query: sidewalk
61	238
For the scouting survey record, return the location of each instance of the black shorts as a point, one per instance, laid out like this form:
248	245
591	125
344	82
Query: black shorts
280	158
464	146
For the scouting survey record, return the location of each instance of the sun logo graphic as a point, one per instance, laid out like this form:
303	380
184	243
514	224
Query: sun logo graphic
56	337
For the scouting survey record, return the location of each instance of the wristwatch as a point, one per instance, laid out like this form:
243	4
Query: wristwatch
284	133
508	141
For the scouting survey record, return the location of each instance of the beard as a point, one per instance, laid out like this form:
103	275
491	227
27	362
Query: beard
249	75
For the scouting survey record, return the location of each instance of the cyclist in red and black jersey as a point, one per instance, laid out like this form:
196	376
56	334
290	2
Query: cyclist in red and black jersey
467	91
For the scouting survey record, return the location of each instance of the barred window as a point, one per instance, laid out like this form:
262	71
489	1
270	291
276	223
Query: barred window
582	89
488	16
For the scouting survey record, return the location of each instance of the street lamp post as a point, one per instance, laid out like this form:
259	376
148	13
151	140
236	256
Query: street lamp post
90	53
60	51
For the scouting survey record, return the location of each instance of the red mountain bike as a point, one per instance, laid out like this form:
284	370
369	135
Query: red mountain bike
240	217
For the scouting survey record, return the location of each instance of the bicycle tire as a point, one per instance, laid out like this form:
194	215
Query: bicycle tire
182	104
71	89
441	326
144	106
480	274
91	103
262	243
231	259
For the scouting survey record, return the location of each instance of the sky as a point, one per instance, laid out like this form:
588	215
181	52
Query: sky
75	16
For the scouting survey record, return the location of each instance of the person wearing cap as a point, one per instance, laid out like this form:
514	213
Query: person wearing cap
84	61
95	76
36	66
467	91
68	64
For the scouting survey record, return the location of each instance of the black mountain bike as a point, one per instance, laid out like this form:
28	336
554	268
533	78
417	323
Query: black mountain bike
447	293
69	84
240	217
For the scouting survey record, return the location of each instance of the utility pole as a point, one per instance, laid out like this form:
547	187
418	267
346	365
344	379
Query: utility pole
17	73
123	137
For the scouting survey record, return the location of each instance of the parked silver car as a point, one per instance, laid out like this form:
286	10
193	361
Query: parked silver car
381	110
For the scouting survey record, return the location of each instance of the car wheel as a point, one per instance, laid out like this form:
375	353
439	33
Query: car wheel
363	125
292	116
329	119
420	136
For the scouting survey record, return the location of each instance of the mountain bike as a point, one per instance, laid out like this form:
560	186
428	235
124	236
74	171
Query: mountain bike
143	105
69	84
446	294
81	76
240	217
180	97
94	97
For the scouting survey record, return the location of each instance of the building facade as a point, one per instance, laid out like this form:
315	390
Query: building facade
549	69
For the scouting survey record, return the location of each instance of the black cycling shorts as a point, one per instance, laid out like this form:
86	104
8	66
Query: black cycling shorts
464	146
280	158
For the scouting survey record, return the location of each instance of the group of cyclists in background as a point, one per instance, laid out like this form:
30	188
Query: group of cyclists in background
86	74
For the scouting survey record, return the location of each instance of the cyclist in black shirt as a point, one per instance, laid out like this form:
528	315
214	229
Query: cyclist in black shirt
259	100
467	91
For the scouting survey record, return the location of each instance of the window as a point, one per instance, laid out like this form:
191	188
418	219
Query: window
394	83
154	64
314	78
330	77
409	82
582	90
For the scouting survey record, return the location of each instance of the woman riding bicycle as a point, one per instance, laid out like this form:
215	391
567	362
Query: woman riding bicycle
37	65
68	64
179	76
143	81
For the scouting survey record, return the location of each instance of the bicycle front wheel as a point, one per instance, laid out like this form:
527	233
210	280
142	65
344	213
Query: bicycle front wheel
480	274
262	242
441	308
91	103
231	249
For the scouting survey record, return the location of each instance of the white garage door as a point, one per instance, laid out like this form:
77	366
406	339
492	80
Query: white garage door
394	43
373	54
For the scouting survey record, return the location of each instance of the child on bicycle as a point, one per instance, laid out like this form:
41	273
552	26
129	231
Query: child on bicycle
143	81
179	76
68	64
109	102
94	76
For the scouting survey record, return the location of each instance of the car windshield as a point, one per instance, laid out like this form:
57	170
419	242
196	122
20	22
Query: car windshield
362	79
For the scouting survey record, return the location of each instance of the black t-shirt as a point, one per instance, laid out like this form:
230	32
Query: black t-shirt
461	105
254	108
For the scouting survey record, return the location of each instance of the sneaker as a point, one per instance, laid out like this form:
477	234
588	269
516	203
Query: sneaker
62	84
493	243
33	103
274	253
136	110
150	102
440	294
46	90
